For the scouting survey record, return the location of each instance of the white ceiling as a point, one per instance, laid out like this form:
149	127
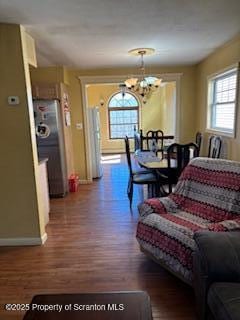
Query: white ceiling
99	33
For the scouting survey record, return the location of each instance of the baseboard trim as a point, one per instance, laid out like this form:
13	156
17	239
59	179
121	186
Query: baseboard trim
110	151
44	238
9	242
85	181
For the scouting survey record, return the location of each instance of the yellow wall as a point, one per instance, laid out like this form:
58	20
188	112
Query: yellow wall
49	75
168	108
67	132
75	95
20	209
222	58
31	51
152	111
158	111
94	94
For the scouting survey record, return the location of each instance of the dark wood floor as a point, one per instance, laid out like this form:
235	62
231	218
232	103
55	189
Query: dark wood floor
91	247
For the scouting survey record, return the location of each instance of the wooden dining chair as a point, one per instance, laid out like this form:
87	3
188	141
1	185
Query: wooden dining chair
156	136
181	153
139	177
214	147
137	141
198	140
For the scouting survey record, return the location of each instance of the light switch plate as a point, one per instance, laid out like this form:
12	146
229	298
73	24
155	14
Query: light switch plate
79	126
13	100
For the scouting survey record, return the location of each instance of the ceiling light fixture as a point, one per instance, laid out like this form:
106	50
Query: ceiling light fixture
145	85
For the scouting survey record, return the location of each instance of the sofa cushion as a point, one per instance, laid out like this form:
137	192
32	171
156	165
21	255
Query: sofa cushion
169	238
224	300
208	188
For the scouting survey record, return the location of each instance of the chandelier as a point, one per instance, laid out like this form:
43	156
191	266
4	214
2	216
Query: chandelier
144	85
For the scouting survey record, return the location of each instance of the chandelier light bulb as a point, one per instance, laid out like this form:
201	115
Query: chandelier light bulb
130	83
143	83
157	83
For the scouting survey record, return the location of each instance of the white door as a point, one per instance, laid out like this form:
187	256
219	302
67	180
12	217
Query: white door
95	138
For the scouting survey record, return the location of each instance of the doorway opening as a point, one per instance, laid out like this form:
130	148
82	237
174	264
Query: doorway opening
160	112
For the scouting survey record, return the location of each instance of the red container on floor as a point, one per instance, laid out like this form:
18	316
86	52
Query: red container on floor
73	182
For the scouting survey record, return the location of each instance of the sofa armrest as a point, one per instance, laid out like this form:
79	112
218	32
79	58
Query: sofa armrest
216	258
226	225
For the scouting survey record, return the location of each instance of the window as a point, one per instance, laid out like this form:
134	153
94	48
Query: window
222	91
123	115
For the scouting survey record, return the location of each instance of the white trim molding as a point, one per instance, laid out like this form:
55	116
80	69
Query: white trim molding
9	242
210	101
44	238
113	151
85	181
87	80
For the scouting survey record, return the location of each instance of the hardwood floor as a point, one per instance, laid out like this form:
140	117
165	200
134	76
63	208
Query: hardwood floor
91	247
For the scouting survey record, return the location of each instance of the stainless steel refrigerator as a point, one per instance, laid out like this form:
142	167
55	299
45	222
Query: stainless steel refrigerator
50	144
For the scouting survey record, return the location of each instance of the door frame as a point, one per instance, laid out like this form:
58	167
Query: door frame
88	80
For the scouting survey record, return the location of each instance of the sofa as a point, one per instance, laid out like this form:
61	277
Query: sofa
216	267
206	197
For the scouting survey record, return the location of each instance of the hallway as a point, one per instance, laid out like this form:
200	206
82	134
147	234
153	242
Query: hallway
91	247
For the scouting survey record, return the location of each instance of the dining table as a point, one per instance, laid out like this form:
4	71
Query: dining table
149	160
159	166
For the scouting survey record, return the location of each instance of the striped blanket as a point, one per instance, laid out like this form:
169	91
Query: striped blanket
206	197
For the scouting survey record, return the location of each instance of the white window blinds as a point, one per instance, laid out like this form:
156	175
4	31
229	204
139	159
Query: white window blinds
223	97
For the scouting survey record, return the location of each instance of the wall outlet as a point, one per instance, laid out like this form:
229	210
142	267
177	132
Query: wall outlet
79	126
13	100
